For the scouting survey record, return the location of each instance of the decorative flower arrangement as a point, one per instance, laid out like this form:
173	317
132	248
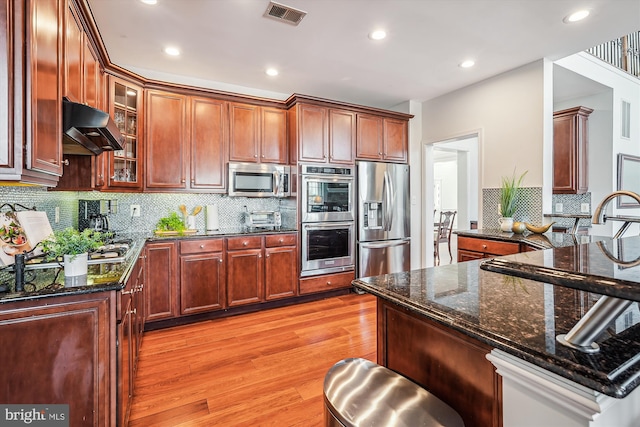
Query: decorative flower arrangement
509	194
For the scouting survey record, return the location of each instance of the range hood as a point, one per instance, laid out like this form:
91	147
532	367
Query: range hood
87	130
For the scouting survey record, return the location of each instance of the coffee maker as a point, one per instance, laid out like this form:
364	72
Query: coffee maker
93	214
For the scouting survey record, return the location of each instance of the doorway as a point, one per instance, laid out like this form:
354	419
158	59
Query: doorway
454	183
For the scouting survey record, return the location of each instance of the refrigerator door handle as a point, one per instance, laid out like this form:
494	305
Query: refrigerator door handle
388	199
385	243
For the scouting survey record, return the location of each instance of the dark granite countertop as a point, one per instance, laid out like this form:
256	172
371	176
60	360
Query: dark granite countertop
47	282
523	317
228	232
539	241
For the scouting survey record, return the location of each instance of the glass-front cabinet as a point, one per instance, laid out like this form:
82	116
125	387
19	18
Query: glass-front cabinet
125	165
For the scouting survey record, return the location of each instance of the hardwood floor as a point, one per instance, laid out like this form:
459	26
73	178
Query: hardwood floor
258	369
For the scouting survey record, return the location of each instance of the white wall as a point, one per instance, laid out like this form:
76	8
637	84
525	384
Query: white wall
508	109
606	126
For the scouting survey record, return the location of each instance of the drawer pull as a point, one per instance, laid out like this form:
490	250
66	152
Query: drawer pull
484	246
202	246
328	283
281	240
245	243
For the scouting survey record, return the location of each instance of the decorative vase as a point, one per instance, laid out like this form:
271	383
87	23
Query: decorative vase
75	265
506	223
518	227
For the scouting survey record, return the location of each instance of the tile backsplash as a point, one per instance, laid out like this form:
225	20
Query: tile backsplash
153	206
529	206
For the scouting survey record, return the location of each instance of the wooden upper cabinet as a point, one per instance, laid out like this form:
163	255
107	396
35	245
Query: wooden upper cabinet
186	136
166	140
395	140
73	54
312	133
382	138
369	140
570	151
273	135
325	135
208	135
257	134
44	86
244	130
342	136
125	108
8	153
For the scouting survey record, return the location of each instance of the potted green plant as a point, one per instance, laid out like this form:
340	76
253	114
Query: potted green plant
509	200
73	247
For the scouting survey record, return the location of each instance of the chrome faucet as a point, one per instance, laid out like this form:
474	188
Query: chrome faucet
598	215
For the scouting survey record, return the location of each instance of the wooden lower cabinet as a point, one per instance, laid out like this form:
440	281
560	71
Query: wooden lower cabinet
202	276
129	330
261	268
161	288
445	362
61	347
195	276
245	266
470	248
327	282
280	266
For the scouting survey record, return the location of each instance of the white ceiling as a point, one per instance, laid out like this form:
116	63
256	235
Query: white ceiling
227	44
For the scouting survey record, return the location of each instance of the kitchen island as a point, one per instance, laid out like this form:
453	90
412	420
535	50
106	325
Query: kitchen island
485	342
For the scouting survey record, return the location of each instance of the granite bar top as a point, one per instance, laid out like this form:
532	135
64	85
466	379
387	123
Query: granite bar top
523	317
539	241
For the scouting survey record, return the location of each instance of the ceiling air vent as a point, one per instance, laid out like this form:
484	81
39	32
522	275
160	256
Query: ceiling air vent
284	13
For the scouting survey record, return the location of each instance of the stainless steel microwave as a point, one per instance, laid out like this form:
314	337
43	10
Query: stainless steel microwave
259	180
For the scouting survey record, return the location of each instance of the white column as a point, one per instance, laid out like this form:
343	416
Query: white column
534	397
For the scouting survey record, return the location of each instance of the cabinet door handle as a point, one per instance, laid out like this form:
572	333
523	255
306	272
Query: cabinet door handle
266	256
259	255
220	260
127	292
255	155
183	180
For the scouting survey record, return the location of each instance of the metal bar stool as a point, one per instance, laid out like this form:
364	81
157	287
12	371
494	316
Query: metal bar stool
360	393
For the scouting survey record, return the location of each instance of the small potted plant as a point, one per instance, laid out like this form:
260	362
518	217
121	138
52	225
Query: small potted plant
74	247
509	199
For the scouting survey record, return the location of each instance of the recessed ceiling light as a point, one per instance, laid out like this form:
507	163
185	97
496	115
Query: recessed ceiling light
172	51
271	72
576	16
467	64
149	1
377	34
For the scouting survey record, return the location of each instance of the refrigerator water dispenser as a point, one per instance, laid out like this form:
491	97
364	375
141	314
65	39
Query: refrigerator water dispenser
372	215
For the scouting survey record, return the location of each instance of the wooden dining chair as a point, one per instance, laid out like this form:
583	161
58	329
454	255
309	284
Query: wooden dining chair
443	233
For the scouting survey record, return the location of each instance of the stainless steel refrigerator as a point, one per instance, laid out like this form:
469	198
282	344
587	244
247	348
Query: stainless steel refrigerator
383	218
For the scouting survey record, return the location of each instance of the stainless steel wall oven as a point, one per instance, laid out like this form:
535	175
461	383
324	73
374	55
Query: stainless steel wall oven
328	193
328	247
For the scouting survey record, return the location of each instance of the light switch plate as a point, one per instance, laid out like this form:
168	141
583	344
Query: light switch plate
558	207
584	208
